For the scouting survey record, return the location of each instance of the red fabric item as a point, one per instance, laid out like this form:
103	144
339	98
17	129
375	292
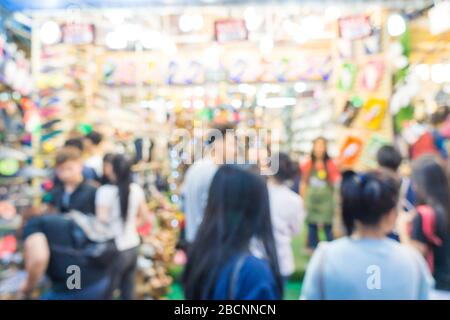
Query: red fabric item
8	245
333	173
424	145
145	229
428	227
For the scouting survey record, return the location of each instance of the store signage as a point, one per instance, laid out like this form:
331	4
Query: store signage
78	33
354	27
230	30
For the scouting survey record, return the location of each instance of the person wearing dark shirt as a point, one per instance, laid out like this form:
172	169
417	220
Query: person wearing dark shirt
390	159
42	236
233	256
72	192
89	173
431	225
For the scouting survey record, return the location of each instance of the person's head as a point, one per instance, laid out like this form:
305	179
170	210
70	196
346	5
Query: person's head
319	150
107	166
92	140
69	165
75	143
122	176
440	116
369	200
287	169
430	181
221	141
236	213
389	157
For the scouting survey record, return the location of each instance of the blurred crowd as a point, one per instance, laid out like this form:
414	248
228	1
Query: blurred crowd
387	233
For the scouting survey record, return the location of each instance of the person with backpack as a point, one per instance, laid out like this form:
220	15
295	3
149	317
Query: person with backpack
122	205
55	245
319	178
366	264
430	228
233	256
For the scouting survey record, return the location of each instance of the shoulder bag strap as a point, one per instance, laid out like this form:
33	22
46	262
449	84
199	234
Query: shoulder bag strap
322	274
235	276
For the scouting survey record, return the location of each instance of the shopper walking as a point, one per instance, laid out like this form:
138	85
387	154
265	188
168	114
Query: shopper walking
366	264
92	145
234	255
122	205
287	212
319	177
389	158
431	225
198	177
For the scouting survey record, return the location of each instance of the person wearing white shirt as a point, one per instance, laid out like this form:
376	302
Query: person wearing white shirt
287	213
122	205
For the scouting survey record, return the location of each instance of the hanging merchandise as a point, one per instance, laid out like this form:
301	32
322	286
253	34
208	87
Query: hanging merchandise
373	113
372	74
372	44
369	153
402	117
347	77
230	30
354	27
9	167
425	144
346	48
350	151
350	111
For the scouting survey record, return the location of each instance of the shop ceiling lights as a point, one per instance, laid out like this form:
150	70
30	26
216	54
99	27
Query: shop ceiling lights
50	33
151	39
169	46
422	71
190	22
253	20
300	87
440	73
266	45
116	40
396	25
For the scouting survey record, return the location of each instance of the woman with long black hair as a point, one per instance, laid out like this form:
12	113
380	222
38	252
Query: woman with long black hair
122	205
367	264
431	225
233	256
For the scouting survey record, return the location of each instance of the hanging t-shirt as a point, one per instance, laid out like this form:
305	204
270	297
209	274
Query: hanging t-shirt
108	196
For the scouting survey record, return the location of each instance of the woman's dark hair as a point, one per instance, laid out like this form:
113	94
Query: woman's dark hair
287	170
314	159
237	211
430	180
75	142
326	157
108	158
95	137
122	170
389	157
367	197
